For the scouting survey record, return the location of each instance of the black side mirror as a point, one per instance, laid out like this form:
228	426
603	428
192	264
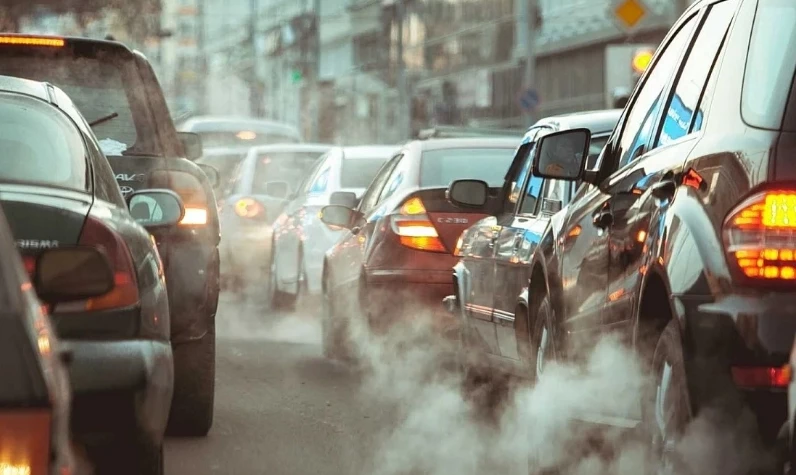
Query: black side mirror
156	208
562	155
468	193
277	189
191	145
75	273
336	216
344	198
211	173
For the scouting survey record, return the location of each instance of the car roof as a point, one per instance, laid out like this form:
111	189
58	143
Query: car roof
369	151
479	142
598	121
292	147
208	123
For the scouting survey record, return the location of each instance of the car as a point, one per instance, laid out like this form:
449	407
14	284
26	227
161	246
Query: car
395	256
116	90
58	191
225	161
299	238
35	398
681	242
254	197
790	456
231	131
494	252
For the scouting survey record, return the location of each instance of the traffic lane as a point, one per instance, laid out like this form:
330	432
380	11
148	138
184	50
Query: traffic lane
281	408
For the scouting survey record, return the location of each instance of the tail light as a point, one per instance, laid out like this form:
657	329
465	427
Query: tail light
414	229
249	208
125	291
459	242
762	377
760	236
25	436
190	190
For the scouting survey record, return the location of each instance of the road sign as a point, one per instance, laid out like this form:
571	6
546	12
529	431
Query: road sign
628	13
529	100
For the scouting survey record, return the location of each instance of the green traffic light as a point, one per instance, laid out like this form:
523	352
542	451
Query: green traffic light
295	76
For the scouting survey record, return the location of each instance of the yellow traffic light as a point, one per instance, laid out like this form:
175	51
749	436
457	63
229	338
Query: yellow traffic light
641	60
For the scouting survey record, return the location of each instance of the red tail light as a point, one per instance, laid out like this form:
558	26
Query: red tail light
414	229
249	208
25	441
760	236
190	190
762	377
125	292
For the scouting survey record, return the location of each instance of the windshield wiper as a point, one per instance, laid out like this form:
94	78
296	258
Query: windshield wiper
104	119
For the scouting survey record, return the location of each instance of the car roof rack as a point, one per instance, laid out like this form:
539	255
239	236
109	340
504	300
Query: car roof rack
450	131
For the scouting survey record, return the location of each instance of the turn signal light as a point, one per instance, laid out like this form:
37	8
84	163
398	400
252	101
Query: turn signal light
414	229
761	377
31	41
760	236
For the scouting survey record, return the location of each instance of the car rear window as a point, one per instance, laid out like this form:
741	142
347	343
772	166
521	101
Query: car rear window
224	164
770	65
290	167
244	137
39	145
359	172
100	88
441	167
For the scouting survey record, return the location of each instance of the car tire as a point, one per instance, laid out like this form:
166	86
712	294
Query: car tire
334	331
128	456
280	301
192	406
542	345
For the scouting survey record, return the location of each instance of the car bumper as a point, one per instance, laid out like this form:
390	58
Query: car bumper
120	387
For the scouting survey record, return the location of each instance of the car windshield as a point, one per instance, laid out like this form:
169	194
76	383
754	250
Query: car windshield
244	137
289	167
39	145
359	172
225	164
441	167
103	90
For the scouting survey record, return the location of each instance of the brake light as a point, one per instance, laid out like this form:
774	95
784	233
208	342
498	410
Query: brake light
762	377
190	190
31	41
25	439
760	236
125	290
457	251
414	229
248	208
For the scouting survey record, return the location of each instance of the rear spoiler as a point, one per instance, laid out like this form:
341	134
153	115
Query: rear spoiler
448	131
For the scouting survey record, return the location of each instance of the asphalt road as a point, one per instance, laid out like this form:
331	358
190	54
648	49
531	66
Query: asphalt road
281	408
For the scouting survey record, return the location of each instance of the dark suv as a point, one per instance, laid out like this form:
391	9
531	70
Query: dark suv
115	88
684	240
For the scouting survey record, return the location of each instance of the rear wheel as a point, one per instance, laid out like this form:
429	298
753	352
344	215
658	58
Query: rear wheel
279	300
334	331
192	406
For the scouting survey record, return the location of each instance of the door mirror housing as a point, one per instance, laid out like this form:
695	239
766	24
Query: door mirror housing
155	208
211	173
468	193
344	198
191	145
75	273
562	155
337	216
277	189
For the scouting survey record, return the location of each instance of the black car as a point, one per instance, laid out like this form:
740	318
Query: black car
115	88
494	253
683	240
58	191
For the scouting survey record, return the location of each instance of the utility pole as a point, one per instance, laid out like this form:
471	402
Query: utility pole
315	111
255	98
201	102
530	14
403	88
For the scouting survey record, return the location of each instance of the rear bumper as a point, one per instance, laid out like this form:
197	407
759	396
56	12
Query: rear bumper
120	387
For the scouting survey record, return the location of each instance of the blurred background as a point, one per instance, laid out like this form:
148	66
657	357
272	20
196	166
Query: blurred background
365	71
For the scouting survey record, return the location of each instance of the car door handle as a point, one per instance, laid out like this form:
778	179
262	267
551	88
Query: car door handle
603	219
664	189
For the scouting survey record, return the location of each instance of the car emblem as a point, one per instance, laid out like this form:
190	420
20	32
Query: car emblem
126	190
453	220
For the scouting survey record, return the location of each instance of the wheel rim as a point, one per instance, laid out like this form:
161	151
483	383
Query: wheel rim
665	417
542	350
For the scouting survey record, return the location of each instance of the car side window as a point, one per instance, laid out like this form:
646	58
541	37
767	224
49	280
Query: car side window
680	119
642	117
321	182
370	199
304	188
530	198
394	181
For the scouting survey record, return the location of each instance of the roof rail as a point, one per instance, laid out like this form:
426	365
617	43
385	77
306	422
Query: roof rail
449	131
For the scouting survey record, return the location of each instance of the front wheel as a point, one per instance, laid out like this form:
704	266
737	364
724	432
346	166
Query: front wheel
542	348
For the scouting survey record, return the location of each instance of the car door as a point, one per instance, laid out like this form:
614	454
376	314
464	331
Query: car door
646	186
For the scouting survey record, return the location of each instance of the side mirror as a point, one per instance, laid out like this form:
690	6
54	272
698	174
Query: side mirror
72	273
336	216
344	198
551	206
562	155
277	189
211	173
156	208
468	193
191	145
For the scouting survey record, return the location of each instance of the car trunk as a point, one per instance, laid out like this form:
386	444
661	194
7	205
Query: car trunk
449	220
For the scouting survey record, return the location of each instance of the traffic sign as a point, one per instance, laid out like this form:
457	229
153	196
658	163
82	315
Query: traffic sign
628	13
529	100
